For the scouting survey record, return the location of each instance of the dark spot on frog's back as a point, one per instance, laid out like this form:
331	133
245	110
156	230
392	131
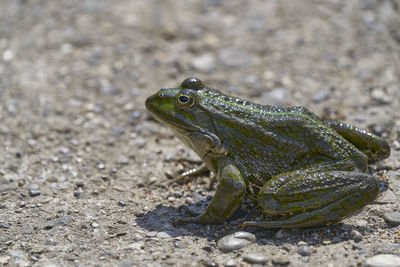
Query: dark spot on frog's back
192	83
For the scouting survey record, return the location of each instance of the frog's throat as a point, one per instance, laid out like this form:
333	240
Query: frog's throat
205	144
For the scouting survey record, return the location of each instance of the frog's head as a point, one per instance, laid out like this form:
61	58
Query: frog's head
180	108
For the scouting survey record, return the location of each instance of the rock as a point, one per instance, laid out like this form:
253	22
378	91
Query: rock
8	55
356	235
380	96
49	226
255	258
48	264
204	63
179	244
321	96
233	57
304	250
387	197
276	97
281	260
392	218
122	160
230	263
151	234
34	192
163	235
383	260
134	246
4	259
125	263
210	263
117	131
101	165
5	225
236	241
122	203
63	221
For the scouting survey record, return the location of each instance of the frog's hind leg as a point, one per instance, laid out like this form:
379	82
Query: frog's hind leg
309	198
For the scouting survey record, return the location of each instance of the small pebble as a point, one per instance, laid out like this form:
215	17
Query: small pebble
151	234
189	201
122	160
387	197
230	263
101	165
95	225
236	241
34	192
49	226
383	260
321	96
125	263
356	235
122	204
63	221
163	235
255	258
204	63
210	263
77	194
304	250
232	57
392	218
179	244
5	225
302	243
281	260
276	97
178	194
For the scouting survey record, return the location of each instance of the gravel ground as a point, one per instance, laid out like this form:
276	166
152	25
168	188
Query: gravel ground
85	170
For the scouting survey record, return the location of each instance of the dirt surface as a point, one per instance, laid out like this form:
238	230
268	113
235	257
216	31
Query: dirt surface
84	169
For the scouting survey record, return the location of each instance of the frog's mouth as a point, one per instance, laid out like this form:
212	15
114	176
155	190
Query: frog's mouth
164	110
175	123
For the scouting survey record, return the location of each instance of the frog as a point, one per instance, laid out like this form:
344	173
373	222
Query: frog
301	170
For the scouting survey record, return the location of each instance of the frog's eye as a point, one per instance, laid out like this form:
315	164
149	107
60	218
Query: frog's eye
185	99
192	83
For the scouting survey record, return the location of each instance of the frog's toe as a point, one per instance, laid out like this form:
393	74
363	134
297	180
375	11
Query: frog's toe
261	224
203	218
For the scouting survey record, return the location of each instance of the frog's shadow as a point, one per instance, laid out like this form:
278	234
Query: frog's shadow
164	219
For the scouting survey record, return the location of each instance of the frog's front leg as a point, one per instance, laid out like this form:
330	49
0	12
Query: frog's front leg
307	198
228	196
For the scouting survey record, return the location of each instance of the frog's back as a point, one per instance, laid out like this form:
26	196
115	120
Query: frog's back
265	141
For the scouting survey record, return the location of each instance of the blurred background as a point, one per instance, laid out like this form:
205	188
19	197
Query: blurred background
74	76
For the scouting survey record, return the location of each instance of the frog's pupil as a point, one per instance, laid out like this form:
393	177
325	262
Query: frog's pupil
183	99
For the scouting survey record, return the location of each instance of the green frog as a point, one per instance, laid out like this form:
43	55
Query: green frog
303	171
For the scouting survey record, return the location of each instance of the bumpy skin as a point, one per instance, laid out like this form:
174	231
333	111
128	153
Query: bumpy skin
302	170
